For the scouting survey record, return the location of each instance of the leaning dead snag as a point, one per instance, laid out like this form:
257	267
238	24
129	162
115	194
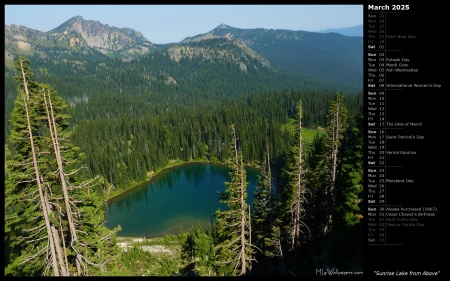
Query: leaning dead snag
44	203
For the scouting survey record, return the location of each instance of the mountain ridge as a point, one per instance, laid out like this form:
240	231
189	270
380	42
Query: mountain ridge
357	30
300	52
86	48
77	34
80	60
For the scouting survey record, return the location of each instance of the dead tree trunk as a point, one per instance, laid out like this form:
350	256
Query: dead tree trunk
54	137
243	222
335	139
38	181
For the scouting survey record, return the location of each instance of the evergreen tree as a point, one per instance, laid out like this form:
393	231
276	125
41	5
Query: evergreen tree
52	219
349	196
295	191
326	165
337	125
347	236
30	229
233	248
317	178
262	214
198	251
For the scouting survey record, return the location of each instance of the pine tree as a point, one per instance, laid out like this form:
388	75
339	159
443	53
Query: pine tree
53	221
262	213
337	125
294	193
198	251
30	229
233	249
326	168
349	196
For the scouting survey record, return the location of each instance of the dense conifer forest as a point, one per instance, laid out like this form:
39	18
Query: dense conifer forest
64	157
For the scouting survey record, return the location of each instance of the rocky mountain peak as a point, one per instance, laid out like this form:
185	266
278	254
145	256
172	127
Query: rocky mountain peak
223	26
103	37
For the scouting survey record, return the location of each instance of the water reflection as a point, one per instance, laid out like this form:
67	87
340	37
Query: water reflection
176	198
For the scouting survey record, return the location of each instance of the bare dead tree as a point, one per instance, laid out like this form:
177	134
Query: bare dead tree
44	204
55	142
338	123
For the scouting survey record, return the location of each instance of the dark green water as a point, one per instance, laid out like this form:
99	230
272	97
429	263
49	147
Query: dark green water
177	198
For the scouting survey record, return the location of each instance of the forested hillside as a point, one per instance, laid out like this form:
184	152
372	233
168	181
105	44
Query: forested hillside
81	125
314	190
312	55
234	62
53	222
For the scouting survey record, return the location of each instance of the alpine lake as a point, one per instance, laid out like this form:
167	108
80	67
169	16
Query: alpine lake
174	200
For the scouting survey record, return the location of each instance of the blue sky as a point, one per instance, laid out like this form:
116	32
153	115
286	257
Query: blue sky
172	23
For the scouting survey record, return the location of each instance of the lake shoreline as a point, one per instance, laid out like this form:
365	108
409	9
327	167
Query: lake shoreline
152	174
202	174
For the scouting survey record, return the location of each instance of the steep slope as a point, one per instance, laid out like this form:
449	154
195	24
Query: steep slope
218	49
323	56
75	39
88	62
102	37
